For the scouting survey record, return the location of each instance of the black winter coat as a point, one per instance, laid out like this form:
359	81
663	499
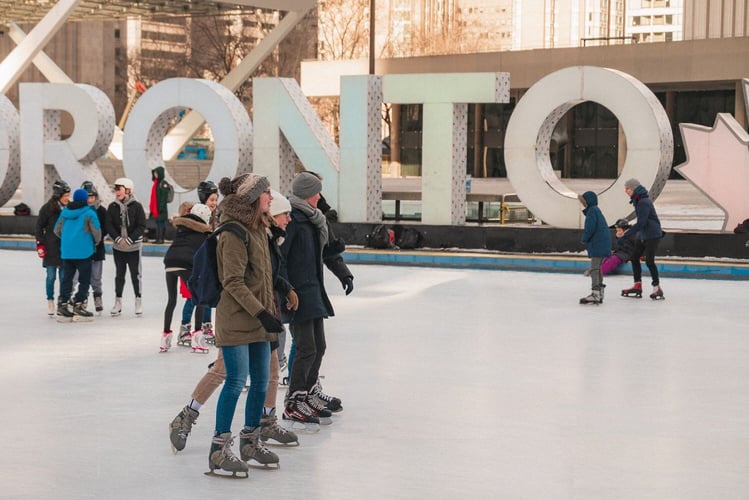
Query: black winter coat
302	267
101	251
136	220
45	233
191	233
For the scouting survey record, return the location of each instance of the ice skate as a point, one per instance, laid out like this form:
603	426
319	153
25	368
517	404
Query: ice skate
254	452
299	412
210	337
221	457
332	403
98	304
138	306
185	335
197	342
51	308
635	291
595	297
81	314
64	313
166	341
180	428
273	433
283	362
319	409
117	307
657	293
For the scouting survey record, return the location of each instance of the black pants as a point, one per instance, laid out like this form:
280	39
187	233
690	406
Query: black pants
172	279
309	337
122	262
69	269
646	248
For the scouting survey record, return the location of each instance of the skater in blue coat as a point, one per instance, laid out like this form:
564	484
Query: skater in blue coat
597	238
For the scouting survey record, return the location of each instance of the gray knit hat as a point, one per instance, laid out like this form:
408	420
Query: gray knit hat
246	186
632	184
306	185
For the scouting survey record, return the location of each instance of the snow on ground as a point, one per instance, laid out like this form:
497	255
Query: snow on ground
455	384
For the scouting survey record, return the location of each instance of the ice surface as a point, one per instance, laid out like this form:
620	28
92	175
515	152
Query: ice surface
455	384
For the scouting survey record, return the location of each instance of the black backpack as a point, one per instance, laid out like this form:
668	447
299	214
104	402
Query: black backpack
381	237
409	238
22	209
204	285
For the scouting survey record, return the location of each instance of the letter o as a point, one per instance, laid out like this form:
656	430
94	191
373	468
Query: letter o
152	116
650	143
10	150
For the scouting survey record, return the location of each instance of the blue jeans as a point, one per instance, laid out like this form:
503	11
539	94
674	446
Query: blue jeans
189	307
240	361
52	272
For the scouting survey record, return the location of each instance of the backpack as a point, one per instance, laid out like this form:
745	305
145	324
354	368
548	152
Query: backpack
381	237
742	227
170	196
204	285
22	209
409	238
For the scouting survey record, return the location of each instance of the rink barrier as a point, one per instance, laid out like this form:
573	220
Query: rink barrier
570	264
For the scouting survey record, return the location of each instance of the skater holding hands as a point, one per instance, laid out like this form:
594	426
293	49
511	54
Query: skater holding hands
597	238
649	233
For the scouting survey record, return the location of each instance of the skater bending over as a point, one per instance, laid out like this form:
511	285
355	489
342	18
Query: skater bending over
649	232
245	316
597	239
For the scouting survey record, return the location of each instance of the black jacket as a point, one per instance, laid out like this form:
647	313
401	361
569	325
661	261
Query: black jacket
302	267
136	220
45	232
100	252
191	233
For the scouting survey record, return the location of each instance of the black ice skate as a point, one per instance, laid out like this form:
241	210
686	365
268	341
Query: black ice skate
254	452
635	291
299	412
80	314
64	312
319	409
331	402
657	293
221	457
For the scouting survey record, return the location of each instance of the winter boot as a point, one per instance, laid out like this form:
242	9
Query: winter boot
332	403
319	409
180	428
117	307
197	342
185	335
595	297
98	304
657	293
138	306
635	291
166	341
221	456
251	449
80	313
269	429
298	410
51	309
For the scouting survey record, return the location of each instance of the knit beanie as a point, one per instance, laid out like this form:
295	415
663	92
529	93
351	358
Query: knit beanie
249	187
279	204
306	185
632	184
201	211
80	195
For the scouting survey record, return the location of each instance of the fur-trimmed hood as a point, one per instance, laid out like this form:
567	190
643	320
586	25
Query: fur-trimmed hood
192	222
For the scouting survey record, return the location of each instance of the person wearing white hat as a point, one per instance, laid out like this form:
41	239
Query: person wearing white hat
126	225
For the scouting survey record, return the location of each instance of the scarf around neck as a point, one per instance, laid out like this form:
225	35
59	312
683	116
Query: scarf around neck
314	215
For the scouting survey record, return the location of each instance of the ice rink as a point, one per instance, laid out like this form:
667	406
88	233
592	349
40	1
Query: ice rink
455	384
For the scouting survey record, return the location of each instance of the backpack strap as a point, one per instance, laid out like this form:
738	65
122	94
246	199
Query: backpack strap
235	228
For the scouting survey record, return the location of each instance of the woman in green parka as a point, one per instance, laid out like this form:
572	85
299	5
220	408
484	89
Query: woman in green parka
159	199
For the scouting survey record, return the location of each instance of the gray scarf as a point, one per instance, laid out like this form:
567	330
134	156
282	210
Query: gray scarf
315	216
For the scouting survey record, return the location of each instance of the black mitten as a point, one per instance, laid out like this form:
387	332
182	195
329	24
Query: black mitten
270	323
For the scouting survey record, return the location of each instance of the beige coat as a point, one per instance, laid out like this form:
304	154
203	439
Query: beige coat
247	289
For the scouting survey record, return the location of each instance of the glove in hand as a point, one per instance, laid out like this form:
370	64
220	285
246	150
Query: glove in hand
348	284
41	250
270	323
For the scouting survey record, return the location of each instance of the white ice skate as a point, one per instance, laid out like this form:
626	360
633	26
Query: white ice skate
198	342
117	307
166	341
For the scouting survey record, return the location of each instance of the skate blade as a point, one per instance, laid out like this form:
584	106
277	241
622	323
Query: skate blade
200	351
325	420
305	427
227	475
273	442
82	319
261	466
64	319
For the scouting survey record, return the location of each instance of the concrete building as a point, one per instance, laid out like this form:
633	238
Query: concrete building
655	20
715	19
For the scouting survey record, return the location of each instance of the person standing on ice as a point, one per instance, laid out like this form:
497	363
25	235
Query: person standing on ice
648	228
245	317
597	238
48	243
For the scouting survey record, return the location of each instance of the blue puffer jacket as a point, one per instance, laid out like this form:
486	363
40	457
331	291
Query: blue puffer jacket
648	224
596	234
79	231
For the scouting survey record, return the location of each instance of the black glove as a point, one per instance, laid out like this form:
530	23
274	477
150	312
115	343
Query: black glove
348	284
270	323
337	245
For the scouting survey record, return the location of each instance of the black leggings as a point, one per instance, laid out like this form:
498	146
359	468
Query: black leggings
122	262
646	248
172	277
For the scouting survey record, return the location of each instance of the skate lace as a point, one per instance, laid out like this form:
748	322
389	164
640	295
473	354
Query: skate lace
315	402
227	453
323	396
